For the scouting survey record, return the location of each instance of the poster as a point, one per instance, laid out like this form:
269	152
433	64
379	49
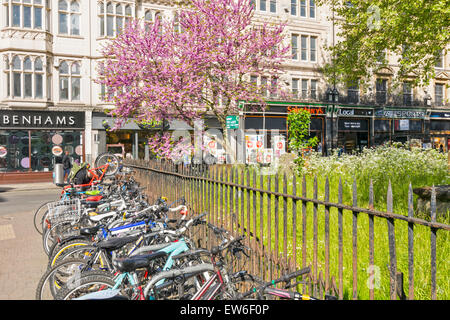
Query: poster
279	146
254	145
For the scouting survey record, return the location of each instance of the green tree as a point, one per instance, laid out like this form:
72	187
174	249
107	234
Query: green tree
417	31
298	130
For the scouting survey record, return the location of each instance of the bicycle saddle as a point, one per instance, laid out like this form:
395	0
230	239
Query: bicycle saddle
89	231
136	262
116	243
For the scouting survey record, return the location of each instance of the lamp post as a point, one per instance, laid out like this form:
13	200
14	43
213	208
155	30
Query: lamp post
333	98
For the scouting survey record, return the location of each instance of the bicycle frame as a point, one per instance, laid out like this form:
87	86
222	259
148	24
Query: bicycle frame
204	291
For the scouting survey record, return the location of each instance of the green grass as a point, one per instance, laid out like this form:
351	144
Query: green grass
422	273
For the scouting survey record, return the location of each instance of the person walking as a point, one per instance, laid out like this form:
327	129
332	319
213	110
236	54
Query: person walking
67	165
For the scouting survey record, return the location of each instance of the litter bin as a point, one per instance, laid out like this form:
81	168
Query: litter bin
58	174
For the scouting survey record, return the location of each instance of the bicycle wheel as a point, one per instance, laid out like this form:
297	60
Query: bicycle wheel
108	158
39	217
61	229
88	282
61	252
57	276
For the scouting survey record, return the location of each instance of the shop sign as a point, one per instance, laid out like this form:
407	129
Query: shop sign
313	110
352	124
354	112
232	122
411	114
11	119
445	115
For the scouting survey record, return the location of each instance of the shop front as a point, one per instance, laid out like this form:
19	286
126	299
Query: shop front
32	142
399	126
440	130
266	132
354	128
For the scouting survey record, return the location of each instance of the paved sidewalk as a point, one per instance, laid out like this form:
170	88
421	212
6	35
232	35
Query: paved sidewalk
28	186
22	258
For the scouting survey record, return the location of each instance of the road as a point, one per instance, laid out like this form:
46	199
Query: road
22	257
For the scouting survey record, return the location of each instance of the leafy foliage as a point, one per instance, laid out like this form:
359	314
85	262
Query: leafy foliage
298	128
413	30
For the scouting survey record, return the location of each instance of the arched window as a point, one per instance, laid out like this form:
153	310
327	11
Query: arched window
63	81
27	78
17	77
69	17
38	78
69	81
113	17
147	19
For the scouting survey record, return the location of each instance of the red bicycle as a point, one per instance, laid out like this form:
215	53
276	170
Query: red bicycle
105	165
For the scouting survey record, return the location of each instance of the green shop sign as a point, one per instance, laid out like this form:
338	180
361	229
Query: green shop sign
232	122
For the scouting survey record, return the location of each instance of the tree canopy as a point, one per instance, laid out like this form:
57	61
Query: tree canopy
415	31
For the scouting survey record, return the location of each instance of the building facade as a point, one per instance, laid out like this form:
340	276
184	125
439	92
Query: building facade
50	102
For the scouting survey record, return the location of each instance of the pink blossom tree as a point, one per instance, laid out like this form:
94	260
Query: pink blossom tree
198	65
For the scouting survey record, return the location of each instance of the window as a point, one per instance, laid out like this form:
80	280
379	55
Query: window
262	5
274	87
308	9
273	6
69	81
313	49
304	88
113	17
294	46
293	7
304	48
302	8
264	86
25	14
69	17
27	74
313	89
439	94
440	60
407	94
295	88
353	93
381	91
312	9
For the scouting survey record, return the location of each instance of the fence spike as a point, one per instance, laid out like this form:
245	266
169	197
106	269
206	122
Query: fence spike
371	241
410	244
433	243
392	249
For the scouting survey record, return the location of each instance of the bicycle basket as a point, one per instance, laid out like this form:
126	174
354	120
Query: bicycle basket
65	210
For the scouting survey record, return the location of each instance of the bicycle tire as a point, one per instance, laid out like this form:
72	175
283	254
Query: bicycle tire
108	157
39	220
48	278
47	237
60	253
88	281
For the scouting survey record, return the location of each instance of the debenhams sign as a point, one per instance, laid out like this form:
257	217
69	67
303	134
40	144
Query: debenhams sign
12	119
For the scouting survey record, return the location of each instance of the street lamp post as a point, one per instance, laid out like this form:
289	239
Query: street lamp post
333	98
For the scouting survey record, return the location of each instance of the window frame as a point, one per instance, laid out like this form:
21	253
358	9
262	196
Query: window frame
22	82
70	77
69	14
33	6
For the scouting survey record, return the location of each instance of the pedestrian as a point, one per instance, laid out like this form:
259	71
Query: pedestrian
67	165
319	148
441	148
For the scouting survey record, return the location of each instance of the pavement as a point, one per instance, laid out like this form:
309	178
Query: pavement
22	257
